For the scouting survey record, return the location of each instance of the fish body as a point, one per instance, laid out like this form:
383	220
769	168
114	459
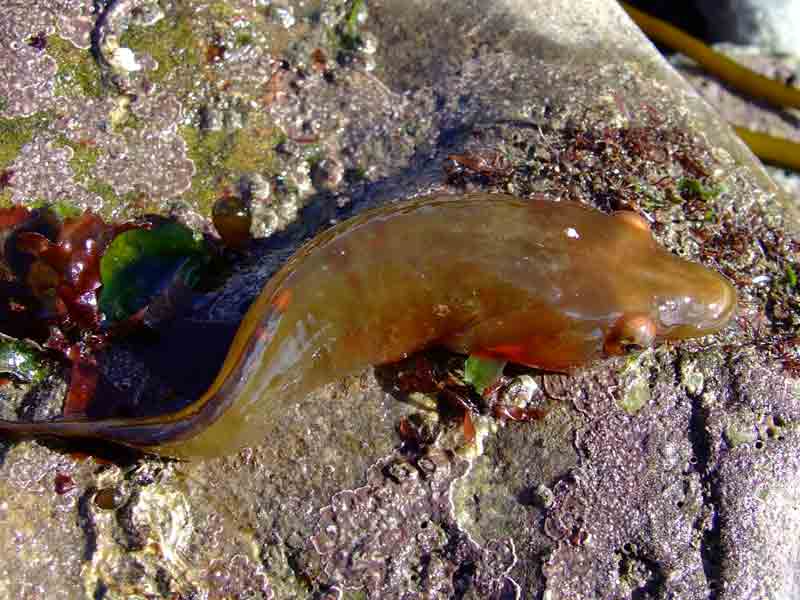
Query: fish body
552	285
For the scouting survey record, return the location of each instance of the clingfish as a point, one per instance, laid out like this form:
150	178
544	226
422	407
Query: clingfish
552	285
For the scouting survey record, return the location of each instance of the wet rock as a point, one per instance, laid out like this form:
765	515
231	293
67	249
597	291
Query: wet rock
742	111
758	496
28	481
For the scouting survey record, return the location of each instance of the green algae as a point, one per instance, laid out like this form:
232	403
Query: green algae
739	432
482	372
350	36
62	208
141	263
22	360
636	382
82	163
221	10
690	187
126	120
16	132
84	158
346	34
791	276
106	192
222	157
206	150
636	396
78	73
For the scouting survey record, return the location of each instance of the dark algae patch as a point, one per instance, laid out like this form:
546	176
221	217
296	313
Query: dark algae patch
74	283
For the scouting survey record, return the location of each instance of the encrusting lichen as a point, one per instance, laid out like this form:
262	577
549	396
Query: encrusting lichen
221	157
171	42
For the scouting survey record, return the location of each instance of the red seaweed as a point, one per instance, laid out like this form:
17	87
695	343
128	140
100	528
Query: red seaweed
50	280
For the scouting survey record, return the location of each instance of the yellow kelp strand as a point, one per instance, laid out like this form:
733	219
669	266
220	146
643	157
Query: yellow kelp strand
732	73
771	149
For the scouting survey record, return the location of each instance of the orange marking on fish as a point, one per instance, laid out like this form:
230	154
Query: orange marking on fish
469	428
515	353
282	300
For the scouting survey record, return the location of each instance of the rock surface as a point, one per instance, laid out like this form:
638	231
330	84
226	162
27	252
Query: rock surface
668	474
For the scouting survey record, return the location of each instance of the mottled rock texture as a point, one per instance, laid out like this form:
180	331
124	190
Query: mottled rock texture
671	473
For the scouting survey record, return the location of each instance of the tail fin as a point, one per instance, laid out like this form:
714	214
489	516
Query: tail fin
17	430
141	434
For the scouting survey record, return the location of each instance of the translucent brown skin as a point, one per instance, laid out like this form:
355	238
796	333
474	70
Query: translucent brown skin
552	285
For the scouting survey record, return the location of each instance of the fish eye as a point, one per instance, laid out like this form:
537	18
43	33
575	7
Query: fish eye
632	347
631	332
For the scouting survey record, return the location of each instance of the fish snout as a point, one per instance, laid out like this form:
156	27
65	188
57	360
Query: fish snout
703	307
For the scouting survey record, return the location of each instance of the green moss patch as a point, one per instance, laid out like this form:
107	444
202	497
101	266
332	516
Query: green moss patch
171	42
16	132
78	73
23	360
222	157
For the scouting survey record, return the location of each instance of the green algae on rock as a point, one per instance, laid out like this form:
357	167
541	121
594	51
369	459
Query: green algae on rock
141	263
23	360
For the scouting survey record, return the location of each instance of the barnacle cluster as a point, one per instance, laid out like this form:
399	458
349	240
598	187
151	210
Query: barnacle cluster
26	80
154	158
138	147
150	541
376	536
70	19
43	172
394	536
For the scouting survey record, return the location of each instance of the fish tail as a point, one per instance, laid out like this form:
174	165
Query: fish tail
16	430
